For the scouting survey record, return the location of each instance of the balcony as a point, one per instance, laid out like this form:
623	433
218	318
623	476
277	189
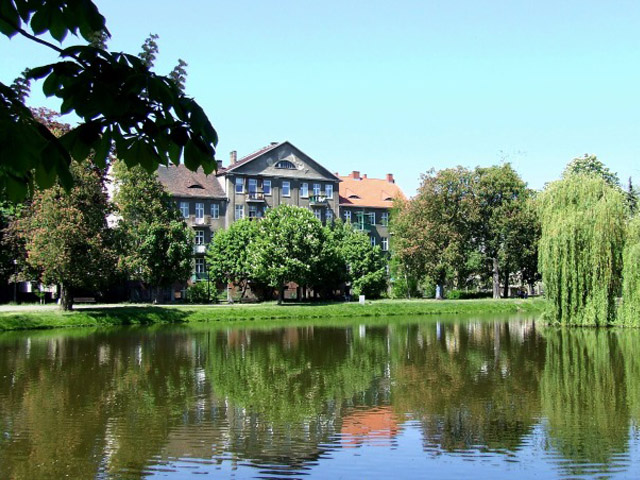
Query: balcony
200	249
200	221
318	200
255	197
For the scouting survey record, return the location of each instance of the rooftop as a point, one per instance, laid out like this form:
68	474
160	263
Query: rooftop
361	191
182	182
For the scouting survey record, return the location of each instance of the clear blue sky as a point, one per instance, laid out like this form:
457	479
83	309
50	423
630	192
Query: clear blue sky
399	87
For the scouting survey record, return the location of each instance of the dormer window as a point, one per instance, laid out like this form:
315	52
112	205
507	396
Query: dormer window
286	164
354	196
196	185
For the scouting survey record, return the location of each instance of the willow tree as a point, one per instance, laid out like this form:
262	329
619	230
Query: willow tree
630	312
580	252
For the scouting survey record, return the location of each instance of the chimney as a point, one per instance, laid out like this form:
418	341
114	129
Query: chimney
219	164
364	176
390	178
274	143
233	157
355	175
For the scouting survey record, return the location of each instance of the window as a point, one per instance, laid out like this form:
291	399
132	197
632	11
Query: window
184	209
199	237
286	189
384	219
328	215
316	189
373	241
372	218
318	213
253	186
304	190
266	187
215	210
285	164
328	191
239	212
199	212
200	266
253	211
384	241
239	185
347	216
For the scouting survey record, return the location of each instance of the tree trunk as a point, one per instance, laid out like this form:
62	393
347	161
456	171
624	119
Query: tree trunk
506	284
157	295
66	298
281	295
229	297
496	279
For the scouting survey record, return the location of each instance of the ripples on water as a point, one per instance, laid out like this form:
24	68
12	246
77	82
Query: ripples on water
443	399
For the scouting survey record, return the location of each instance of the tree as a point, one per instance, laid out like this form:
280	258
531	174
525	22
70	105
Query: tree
229	255
366	265
66	236
432	232
630	310
288	247
118	99
583	228
505	231
155	245
590	165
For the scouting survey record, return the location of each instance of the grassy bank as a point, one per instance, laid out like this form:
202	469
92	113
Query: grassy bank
148	315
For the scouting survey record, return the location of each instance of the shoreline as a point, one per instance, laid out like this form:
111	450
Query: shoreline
27	318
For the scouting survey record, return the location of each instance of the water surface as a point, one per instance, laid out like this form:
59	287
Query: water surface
440	398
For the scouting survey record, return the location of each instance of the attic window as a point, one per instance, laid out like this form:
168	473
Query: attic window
388	199
196	185
353	195
285	164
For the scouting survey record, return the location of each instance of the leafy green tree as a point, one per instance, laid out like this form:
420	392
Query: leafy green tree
590	165
155	245
505	231
66	236
366	264
118	99
229	256
630	310
288	247
583	229
433	231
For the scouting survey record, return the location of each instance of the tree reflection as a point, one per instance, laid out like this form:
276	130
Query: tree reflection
584	396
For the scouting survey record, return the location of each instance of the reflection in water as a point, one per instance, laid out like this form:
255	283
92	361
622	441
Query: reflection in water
367	399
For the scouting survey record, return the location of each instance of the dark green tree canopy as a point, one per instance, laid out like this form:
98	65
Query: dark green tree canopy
119	100
590	165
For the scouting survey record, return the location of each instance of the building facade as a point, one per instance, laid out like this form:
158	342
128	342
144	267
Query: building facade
279	173
367	203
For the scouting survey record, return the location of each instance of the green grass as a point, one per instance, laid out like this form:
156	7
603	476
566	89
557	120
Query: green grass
148	315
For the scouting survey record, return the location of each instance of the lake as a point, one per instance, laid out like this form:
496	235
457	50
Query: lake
424	398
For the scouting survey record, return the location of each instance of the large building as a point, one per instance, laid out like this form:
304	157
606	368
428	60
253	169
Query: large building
276	174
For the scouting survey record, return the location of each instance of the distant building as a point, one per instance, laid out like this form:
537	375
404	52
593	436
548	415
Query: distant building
279	173
367	203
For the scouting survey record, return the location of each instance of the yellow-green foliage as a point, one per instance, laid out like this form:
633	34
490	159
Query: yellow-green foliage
630	311
580	255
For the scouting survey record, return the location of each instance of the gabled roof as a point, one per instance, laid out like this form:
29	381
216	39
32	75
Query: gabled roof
251	156
269	148
182	182
368	192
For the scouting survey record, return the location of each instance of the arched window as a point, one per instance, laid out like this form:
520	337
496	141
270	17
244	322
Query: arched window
285	164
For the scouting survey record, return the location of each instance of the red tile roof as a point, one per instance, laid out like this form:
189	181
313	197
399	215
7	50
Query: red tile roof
368	192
